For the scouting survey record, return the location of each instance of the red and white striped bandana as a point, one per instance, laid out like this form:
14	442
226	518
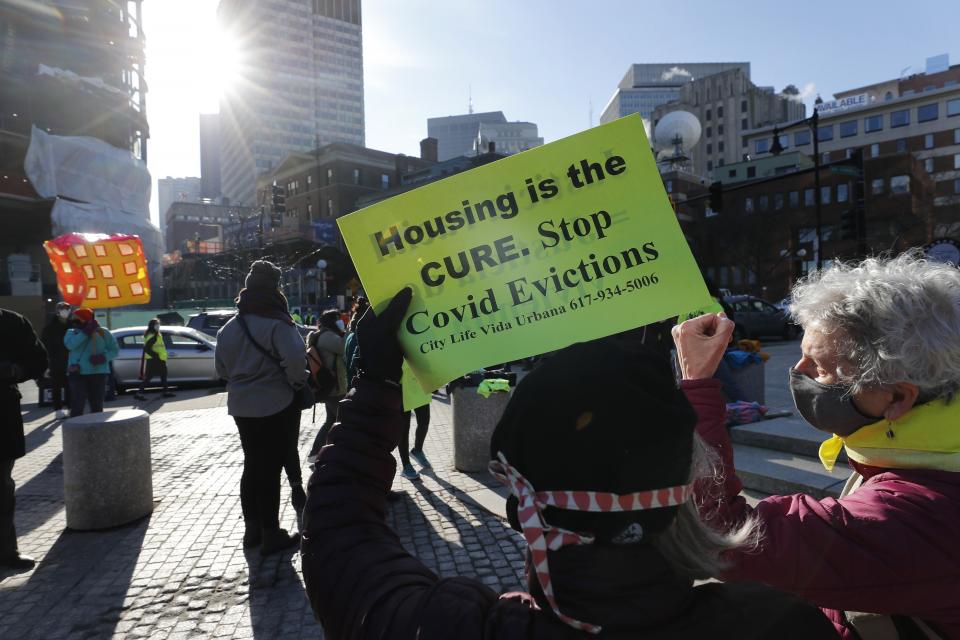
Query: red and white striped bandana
540	536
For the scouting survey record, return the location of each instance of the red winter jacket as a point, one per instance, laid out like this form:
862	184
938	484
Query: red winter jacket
890	547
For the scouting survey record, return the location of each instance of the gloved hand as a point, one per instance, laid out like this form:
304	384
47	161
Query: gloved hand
89	327
379	350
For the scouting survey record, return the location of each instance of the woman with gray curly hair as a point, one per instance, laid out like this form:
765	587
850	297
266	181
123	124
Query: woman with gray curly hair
880	367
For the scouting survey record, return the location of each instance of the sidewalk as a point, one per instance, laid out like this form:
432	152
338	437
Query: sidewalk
182	572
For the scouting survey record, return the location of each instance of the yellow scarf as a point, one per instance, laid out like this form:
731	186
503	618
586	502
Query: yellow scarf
926	437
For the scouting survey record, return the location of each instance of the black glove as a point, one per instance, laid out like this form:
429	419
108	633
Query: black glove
379	350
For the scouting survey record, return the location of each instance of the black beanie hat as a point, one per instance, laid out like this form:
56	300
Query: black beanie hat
599	416
263	275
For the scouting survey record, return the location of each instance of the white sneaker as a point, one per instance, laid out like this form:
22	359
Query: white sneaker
61	414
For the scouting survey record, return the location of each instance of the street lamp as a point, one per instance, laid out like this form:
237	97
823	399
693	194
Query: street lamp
776	149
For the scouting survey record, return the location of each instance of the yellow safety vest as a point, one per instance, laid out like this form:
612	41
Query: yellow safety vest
158	347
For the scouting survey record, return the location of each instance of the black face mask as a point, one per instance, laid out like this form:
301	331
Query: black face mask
828	407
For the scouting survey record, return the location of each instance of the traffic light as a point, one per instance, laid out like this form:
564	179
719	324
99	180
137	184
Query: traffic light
852	224
278	204
716	197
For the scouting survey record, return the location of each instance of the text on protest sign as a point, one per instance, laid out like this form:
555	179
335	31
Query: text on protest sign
568	242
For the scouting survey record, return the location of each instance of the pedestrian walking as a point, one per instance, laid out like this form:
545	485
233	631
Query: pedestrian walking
261	356
22	357
880	372
420	437
52	338
153	360
328	341
350	351
91	350
601	472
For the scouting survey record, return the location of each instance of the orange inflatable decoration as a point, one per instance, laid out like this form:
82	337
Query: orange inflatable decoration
98	271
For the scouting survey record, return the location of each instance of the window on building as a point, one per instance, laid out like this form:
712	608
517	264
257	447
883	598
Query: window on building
744	144
719	129
825	133
719	112
872	123
900	184
709	132
709	148
764	203
743	106
330	212
744	125
876	186
668	185
928	141
825	157
874	150
928	165
329	176
721	161
843	193
953	107
777	201
720	146
825	195
794	199
956	186
709	115
899	118
848	129
928	112
751	172
356	176
748	205
709	165
310	211
732	173
761	145
384	180
956	136
956	161
888	96
309	180
808	198
902	145
801	138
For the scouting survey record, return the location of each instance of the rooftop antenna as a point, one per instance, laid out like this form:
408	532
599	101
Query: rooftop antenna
470	98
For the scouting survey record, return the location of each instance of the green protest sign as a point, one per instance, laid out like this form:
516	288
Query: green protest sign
568	242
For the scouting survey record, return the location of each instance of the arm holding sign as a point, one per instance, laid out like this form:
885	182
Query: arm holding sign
360	580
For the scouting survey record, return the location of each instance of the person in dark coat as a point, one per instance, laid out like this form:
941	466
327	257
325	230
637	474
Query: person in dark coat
612	457
22	357
52	338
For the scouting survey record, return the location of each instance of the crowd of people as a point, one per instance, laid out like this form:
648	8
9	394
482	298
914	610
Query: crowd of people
623	484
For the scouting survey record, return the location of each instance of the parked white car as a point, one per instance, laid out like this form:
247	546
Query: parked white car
189	356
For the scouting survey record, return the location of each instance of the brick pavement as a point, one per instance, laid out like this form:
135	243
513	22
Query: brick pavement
182	573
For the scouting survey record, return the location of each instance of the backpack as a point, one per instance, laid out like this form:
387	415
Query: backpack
321	379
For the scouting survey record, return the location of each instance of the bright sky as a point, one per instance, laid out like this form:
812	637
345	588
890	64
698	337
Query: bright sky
545	61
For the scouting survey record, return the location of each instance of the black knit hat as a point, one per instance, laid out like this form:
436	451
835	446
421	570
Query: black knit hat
263	275
599	416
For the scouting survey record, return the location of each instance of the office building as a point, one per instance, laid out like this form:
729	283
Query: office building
72	90
647	86
171	190
209	156
727	104
300	85
507	137
919	114
457	135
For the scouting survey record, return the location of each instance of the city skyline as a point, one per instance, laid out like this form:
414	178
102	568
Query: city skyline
424	60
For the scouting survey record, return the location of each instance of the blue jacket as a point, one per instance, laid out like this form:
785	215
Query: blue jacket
81	347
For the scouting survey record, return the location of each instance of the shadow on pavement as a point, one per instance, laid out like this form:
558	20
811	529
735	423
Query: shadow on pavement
84	577
276	596
40	498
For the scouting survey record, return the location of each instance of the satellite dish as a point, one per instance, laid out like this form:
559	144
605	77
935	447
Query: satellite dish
677	128
321	264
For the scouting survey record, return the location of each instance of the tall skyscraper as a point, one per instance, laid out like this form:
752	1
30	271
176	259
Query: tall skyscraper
647	86
209	156
300	85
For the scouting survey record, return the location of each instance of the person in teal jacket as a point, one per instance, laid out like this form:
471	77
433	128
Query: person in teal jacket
91	348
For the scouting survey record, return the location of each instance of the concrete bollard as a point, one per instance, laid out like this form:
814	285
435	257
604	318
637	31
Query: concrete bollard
474	419
107	475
